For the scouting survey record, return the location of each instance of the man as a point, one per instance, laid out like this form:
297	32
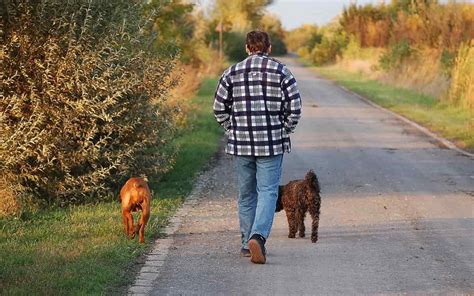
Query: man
258	104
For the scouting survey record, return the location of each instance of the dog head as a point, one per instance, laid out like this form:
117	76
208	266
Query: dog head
313	181
279	203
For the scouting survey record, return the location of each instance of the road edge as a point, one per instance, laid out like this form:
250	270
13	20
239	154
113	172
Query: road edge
155	259
443	141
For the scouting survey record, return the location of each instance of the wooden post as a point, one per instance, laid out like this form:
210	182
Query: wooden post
220	41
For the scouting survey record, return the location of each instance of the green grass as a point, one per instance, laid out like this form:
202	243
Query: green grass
82	249
454	123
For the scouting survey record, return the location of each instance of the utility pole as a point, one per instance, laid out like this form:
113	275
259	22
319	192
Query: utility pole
220	40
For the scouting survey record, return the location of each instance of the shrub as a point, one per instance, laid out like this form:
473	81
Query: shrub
329	49
395	55
82	99
305	36
447	62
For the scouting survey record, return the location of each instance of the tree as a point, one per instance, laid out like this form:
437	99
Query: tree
240	15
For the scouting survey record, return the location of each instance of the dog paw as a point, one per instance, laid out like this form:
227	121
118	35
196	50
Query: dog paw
301	235
291	236
313	240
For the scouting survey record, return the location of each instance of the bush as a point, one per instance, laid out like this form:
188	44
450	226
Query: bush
447	62
305	36
396	55
329	49
82	102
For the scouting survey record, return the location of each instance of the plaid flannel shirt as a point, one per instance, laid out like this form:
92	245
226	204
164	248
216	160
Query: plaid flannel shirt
258	104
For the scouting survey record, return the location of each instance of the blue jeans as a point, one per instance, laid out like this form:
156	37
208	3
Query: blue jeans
258	180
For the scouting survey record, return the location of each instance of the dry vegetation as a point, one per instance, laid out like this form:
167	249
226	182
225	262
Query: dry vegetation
462	82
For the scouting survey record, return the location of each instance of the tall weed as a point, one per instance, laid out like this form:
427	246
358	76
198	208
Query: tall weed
461	91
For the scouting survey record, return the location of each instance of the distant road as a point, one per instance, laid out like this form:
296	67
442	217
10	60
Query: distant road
396	216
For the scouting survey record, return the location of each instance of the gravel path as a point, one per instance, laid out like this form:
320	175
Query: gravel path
397	213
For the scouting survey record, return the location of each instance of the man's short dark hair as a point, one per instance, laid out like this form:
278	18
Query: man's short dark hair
258	41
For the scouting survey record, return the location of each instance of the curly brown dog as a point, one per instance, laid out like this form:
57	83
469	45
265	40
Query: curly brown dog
297	197
135	196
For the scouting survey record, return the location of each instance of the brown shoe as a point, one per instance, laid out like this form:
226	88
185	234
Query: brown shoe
257	249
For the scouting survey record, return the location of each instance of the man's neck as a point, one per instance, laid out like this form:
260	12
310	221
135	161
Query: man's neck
259	53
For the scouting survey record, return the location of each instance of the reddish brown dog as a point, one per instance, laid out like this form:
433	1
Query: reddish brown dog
135	196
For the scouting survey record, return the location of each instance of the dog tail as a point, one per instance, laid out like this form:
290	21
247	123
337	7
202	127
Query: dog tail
312	179
140	182
279	202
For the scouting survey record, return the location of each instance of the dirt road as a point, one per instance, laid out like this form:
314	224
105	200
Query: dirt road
396	216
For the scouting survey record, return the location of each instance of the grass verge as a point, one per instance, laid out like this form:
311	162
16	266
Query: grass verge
451	122
82	250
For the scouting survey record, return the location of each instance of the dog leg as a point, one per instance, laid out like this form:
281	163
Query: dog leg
300	214
292	223
141	225
314	212
130	232
125	221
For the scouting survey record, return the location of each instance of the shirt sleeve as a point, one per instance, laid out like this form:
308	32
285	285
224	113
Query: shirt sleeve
223	102
291	102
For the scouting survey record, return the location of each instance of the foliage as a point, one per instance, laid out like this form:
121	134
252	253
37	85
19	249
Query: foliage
434	25
306	36
82	102
425	23
180	27
173	26
234	45
447	61
396	55
369	24
329	49
239	15
271	24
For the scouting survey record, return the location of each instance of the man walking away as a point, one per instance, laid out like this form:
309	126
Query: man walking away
258	104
